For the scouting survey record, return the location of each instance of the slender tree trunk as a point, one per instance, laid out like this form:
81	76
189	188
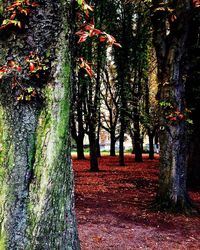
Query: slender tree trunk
132	141
121	140
78	136
137	139
81	133
36	193
98	136
150	131
77	126
80	149
112	142
122	120
93	150
151	144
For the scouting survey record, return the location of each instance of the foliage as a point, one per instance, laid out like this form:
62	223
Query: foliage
88	30
33	69
173	115
33	66
16	12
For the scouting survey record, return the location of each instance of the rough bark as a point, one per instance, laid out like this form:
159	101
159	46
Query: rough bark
194	159
193	99
37	195
171	48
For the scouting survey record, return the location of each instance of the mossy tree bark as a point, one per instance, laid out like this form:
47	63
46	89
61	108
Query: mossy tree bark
170	39
36	193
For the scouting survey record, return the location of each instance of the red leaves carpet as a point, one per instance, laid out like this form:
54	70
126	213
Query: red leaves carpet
113	209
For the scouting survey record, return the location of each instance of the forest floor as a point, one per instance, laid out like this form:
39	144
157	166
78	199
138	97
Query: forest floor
113	209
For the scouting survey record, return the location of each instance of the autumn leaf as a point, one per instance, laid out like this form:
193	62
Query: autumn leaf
89	30
85	65
31	66
83	38
102	38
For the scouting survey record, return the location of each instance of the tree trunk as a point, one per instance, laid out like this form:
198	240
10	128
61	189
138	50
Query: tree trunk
77	127
80	149
171	52
78	136
193	100
122	121
112	142
121	140
93	150
81	131
98	135
137	139
37	194
194	160
151	144
172	182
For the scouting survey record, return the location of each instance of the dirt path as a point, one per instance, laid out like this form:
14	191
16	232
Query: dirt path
113	212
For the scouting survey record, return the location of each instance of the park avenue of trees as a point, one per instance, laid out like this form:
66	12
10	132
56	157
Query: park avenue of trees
72	68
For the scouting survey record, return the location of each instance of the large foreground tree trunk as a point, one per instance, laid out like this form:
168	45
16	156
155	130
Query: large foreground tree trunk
170	39
36	193
194	158
193	94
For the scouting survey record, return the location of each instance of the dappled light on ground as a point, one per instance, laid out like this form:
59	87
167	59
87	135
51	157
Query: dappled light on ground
114	209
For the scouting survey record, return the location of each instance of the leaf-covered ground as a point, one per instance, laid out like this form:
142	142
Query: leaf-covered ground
113	209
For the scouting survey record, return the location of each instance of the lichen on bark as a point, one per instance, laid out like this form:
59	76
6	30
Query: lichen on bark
37	208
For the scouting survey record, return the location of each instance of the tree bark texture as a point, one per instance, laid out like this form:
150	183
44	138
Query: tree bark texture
170	39
194	158
193	99
36	193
